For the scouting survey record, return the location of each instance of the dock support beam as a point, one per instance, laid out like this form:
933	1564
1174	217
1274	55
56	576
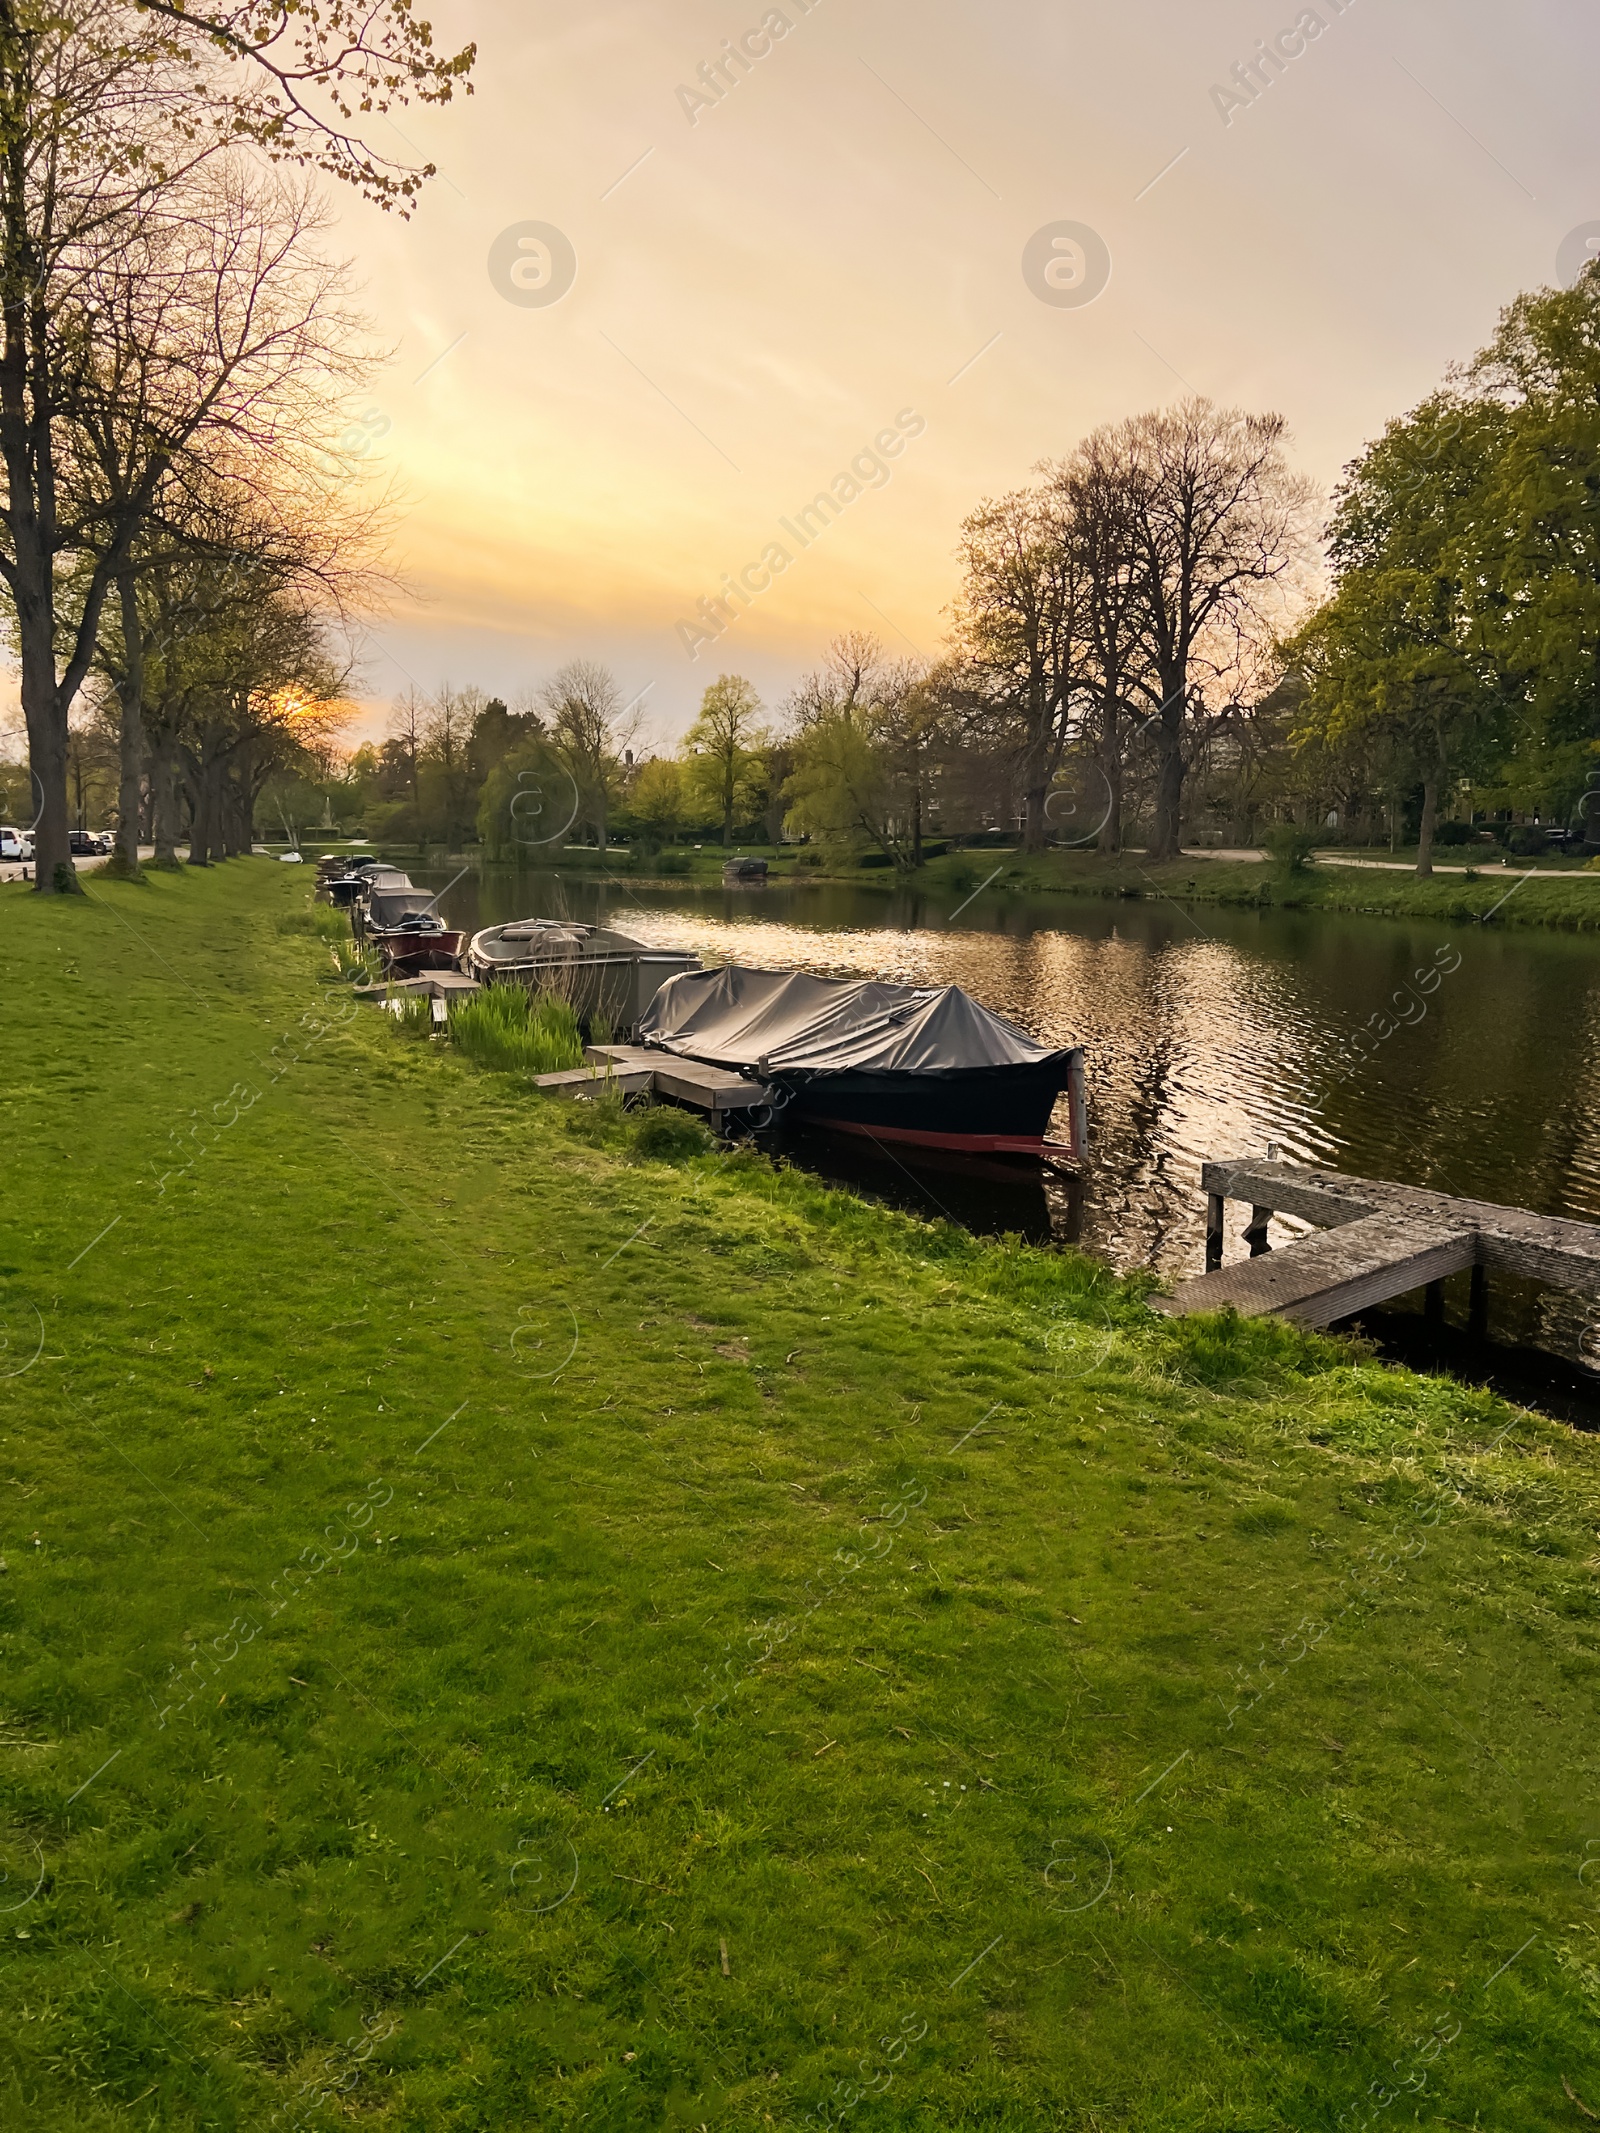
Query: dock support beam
1256	1235
1478	1305
1433	1303
1214	1207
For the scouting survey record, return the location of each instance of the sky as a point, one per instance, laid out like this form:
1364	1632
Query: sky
643	315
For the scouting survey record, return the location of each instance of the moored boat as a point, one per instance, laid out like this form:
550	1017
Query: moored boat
348	885
607	977
418	941
926	1066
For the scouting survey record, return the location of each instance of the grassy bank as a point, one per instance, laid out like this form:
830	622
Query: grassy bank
506	1630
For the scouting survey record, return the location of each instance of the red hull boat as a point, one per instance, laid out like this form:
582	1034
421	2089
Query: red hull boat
411	951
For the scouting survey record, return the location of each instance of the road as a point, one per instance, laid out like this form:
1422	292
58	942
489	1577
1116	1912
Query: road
22	870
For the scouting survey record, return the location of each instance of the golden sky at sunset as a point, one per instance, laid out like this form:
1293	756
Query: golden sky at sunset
764	283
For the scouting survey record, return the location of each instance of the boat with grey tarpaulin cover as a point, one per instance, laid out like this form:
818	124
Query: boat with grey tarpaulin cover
926	1065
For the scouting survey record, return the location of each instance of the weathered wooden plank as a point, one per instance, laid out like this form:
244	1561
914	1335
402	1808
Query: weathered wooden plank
588	1081
689	1081
1549	1249
1331	1276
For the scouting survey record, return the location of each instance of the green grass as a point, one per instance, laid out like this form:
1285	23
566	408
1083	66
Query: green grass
463	1572
507	1030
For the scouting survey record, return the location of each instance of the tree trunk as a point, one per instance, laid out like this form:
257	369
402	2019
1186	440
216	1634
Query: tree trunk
201	798
1164	836
1430	810
164	808
1110	839
916	825
47	765
124	859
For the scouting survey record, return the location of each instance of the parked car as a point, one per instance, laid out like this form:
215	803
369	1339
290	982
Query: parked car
87	844
15	843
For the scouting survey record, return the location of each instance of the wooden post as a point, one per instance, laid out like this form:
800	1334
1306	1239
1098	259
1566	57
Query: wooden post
1214	1207
1077	1106
1433	1303
1256	1234
1478	1305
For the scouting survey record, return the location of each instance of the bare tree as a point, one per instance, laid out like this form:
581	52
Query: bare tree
1097	505
1015	637
589	725
1221	530
443	758
869	733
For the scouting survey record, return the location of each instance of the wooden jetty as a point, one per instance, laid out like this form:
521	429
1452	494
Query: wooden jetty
636	1071
1373	1241
439	986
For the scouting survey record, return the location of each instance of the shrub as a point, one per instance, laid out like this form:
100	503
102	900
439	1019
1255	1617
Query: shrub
1454	833
665	1135
513	1032
809	859
1528	842
673	863
1291	846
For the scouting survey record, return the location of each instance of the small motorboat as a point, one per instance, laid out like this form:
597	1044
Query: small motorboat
744	871
348	885
383	906
418	941
605	976
897	1063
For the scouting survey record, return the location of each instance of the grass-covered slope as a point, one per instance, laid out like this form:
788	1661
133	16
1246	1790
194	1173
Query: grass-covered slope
501	1630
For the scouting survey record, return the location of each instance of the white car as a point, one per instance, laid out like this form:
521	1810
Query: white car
290	859
15	843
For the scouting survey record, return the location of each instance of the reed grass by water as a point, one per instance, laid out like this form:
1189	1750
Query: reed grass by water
516	1032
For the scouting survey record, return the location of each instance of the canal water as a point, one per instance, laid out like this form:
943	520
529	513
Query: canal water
1456	1057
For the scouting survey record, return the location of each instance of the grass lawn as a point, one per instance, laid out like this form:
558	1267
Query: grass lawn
488	1612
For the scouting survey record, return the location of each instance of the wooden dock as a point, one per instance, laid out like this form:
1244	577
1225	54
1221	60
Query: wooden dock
1374	1241
636	1071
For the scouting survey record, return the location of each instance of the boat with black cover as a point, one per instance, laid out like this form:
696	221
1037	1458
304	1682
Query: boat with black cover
928	1066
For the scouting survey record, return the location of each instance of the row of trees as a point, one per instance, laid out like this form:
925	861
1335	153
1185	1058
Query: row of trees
1150	639
175	535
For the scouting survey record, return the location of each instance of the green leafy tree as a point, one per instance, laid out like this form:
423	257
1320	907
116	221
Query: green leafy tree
1402	657
724	750
659	802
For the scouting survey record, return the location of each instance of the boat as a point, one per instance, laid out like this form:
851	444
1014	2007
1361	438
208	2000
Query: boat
418	941
346	889
607	977
926	1066
735	871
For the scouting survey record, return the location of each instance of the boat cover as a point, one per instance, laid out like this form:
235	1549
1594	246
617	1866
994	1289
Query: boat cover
386	907
786	1023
